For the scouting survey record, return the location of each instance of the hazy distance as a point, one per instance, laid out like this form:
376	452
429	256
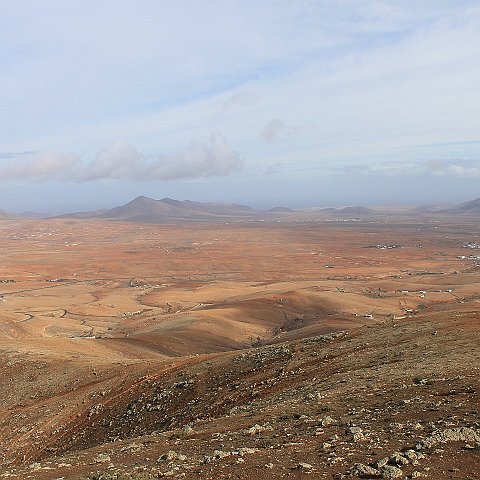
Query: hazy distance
263	103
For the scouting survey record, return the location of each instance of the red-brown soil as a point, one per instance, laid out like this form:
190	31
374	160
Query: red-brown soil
251	350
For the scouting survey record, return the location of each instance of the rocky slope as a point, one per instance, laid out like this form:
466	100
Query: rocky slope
394	400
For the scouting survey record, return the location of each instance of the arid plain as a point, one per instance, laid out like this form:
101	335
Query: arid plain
289	347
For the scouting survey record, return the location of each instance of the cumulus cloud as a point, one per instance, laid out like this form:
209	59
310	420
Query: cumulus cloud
119	160
40	167
198	160
122	161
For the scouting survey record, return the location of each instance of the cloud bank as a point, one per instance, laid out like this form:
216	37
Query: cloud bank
122	161
454	169
458	168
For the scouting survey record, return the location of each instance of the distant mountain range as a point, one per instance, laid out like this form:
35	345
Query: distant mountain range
471	207
147	210
167	210
351	211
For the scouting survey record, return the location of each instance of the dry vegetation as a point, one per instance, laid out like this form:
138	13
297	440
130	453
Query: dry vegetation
239	350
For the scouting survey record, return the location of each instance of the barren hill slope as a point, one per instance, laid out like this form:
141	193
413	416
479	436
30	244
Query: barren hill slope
471	207
398	399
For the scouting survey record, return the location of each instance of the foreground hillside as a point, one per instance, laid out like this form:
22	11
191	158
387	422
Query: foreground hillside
397	400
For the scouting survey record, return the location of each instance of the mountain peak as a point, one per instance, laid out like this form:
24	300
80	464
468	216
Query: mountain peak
144	209
142	198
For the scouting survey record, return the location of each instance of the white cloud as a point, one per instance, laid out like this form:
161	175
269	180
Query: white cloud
458	169
40	167
122	161
198	160
118	160
447	169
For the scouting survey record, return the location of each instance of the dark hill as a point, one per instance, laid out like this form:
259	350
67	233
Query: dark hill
167	210
355	211
471	207
347	211
280	210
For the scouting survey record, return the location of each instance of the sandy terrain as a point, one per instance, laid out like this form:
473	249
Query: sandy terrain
121	342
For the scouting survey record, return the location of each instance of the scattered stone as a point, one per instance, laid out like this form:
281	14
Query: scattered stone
354	430
461	434
391	472
187	429
221	454
257	429
382	462
365	471
170	473
95	410
304	466
326	421
102	457
420	381
357	434
247	450
398	459
170	456
411	454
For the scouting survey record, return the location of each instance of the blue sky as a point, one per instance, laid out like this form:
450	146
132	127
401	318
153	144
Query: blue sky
304	103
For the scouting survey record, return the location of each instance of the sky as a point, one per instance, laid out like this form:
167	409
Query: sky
295	103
